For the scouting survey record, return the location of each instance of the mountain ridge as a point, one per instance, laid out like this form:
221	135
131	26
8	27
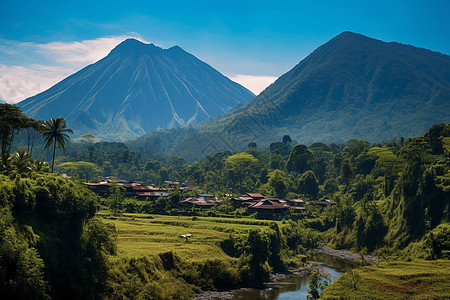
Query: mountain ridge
352	86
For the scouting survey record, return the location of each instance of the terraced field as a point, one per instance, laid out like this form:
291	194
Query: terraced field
144	234
421	279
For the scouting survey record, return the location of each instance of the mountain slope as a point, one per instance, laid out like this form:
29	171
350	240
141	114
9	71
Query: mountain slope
351	87
138	88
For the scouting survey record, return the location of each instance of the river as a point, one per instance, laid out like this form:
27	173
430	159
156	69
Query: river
293	287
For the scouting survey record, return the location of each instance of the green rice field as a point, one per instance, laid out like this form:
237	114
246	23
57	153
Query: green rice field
144	234
421	279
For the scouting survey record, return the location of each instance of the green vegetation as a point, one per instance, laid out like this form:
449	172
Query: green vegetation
316	284
60	240
55	132
328	98
48	220
220	253
393	280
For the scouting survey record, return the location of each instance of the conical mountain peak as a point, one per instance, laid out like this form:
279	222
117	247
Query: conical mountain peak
138	88
134	46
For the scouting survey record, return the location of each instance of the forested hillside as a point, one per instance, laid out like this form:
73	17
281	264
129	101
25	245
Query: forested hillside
59	240
395	192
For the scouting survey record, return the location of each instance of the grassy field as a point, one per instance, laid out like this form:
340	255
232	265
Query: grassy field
144	234
143	238
420	279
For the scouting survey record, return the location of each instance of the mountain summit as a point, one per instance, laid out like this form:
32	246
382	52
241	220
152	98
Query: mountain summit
352	86
138	88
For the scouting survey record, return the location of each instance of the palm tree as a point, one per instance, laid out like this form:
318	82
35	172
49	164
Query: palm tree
22	161
55	132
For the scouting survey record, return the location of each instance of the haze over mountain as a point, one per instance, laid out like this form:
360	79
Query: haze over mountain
351	87
138	88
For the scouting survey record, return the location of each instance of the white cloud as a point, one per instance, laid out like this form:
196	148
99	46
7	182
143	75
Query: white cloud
81	53
254	83
35	67
20	81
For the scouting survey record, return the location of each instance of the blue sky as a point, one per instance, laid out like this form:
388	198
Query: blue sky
252	42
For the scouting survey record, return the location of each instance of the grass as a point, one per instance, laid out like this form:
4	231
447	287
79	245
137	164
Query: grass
147	235
421	279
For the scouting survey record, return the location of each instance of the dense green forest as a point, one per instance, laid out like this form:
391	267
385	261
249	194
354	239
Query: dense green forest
392	199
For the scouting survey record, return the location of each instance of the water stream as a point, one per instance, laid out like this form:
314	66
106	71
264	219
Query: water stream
294	287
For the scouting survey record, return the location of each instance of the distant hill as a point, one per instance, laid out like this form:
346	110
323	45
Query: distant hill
138	88
351	87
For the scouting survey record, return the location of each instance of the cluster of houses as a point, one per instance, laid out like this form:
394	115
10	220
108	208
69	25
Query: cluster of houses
267	208
135	189
274	208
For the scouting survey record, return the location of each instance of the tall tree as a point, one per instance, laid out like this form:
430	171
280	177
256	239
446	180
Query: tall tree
33	131
308	184
11	121
240	164
89	141
278	181
287	140
55	132
82	169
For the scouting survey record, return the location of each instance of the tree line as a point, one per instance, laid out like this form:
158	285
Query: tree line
13	121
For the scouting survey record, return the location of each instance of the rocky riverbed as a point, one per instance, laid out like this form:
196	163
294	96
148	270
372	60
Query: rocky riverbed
346	255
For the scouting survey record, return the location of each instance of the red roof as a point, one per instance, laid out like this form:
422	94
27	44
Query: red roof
295	200
298	207
103	183
241	198
145	188
200	201
268	204
253	195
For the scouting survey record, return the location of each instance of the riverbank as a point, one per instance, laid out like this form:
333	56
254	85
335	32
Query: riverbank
274	278
301	272
346	255
420	279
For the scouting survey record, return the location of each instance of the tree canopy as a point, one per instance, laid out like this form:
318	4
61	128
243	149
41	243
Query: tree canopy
56	133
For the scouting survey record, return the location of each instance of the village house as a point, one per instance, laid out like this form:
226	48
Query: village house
101	188
132	189
296	204
246	199
269	209
200	202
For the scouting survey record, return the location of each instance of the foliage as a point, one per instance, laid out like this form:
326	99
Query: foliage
82	169
240	164
308	185
299	159
12	120
116	197
89	141
52	214
278	182
55	132
316	285
393	280
21	268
